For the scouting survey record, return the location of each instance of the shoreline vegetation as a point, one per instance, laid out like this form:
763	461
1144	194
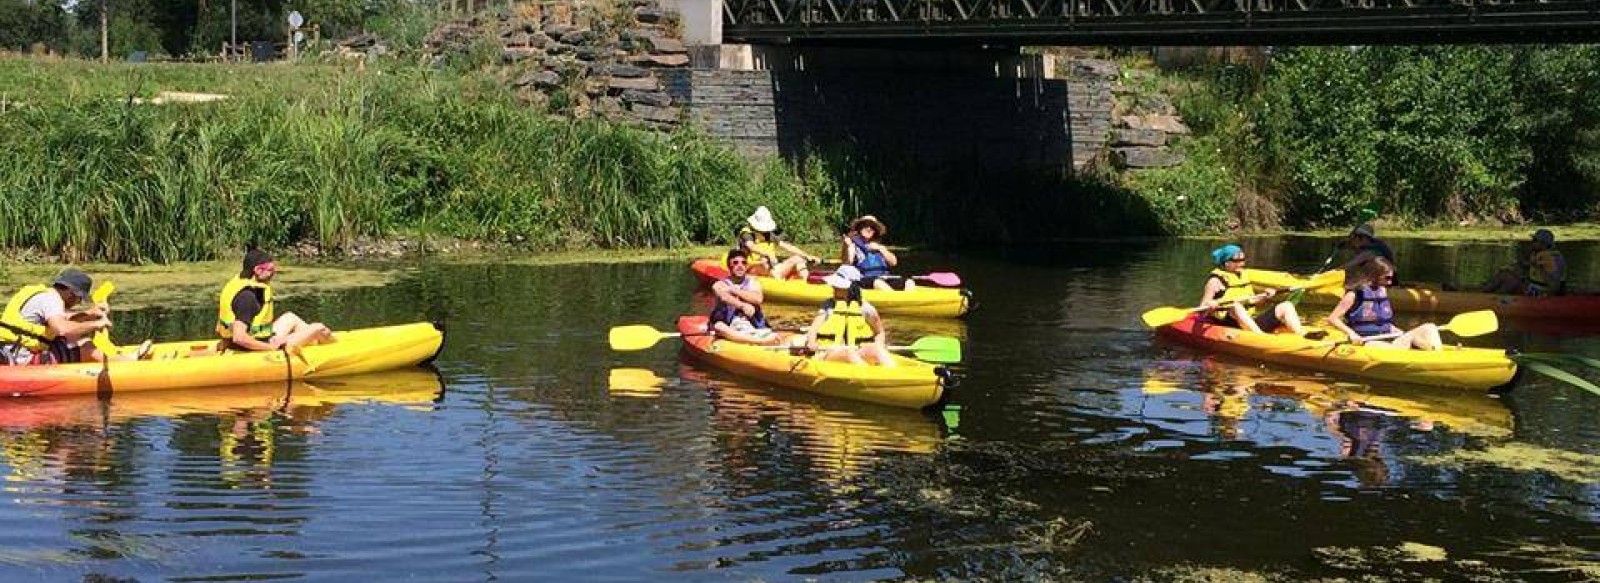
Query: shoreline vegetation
383	158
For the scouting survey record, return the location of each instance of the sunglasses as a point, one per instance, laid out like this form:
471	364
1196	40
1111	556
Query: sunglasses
738	262
1236	260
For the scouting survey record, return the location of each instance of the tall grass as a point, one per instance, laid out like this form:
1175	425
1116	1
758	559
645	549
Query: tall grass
397	151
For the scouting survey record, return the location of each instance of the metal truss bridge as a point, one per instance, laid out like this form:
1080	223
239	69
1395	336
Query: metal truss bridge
1158	22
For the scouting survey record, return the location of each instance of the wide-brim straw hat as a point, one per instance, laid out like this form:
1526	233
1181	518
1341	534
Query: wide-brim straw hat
876	224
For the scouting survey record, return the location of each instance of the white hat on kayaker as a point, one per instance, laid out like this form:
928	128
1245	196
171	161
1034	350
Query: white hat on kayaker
843	277
762	220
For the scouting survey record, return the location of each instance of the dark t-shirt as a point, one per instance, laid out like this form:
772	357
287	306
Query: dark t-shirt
246	305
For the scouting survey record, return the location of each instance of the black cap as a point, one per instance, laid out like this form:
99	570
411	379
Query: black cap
1365	230
252	258
76	281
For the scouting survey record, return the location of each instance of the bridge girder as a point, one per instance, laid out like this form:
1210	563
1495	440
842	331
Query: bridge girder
1159	22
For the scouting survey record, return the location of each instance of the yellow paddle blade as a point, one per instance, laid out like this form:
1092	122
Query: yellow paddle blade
634	337
1166	315
1474	323
102	339
103	293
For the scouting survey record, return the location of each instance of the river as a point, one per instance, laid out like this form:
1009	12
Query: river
1077	446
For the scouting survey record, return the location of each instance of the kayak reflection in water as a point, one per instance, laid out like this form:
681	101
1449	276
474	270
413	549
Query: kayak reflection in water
245	318
737	314
847	328
1228	284
1364	310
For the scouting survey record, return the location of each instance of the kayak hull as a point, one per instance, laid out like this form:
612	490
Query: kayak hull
191	365
910	384
1426	299
1455	367
926	301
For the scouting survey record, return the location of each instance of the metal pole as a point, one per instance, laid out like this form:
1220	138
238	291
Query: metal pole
233	28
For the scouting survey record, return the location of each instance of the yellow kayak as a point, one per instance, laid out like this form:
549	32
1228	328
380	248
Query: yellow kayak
928	301
195	364
911	383
1326	288
1454	366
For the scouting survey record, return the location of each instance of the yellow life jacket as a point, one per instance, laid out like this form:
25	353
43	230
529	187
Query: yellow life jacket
261	326
1237	287
1543	264
762	245
844	326
14	329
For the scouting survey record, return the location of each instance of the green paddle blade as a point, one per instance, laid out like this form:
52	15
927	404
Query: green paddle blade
1474	323
1165	315
937	349
634	337
1556	373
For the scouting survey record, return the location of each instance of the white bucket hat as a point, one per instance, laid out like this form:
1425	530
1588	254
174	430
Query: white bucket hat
762	220
843	277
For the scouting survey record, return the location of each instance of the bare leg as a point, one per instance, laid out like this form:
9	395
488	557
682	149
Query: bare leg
1242	316
297	332
843	354
882	284
911	284
1424	337
794	265
725	331
877	355
1289	317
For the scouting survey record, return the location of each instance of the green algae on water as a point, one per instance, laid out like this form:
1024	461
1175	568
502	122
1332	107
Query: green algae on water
1524	457
190	285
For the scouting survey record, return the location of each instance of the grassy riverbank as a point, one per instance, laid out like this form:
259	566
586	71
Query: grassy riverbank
331	154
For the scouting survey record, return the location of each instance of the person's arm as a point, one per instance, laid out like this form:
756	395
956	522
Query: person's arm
787	246
63	326
1208	295
1336	317
847	253
880	332
753	295
888	256
243	339
730	295
810	332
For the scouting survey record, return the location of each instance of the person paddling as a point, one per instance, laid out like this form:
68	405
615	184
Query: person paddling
761	239
1366	245
38	327
847	328
245	318
1365	311
1543	273
737	314
863	250
1227	283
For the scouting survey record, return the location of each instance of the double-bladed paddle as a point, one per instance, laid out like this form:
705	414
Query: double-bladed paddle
1466	325
1165	315
936	349
939	278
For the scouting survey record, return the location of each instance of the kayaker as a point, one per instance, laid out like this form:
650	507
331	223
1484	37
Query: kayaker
1365	311
245	311
847	328
1543	273
38	326
862	249
760	237
737	314
1227	283
1366	245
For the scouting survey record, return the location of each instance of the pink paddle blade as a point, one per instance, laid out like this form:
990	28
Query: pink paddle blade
943	279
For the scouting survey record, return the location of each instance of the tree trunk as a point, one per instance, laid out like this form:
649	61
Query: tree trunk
105	46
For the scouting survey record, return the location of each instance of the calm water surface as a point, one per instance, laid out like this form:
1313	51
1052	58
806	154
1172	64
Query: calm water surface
1082	449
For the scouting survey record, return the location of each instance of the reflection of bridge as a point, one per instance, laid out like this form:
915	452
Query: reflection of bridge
1159	22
